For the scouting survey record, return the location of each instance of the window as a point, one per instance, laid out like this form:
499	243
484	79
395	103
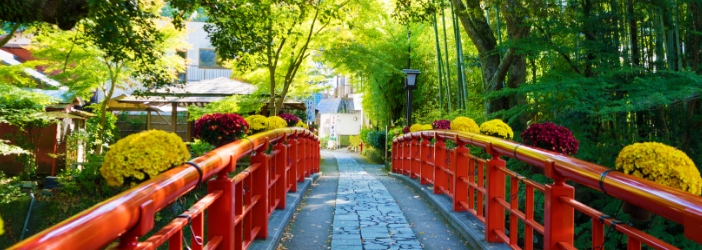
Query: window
208	59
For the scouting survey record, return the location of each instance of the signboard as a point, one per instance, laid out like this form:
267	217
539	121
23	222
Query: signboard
317	98
310	110
332	128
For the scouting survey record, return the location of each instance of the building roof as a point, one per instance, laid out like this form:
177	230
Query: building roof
335	105
61	96
9	59
222	86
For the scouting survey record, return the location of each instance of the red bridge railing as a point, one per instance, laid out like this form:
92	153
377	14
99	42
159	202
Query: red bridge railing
478	186
237	208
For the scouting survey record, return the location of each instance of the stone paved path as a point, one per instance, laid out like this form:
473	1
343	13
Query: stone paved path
366	215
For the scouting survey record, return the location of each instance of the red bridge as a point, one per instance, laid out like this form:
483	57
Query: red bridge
239	207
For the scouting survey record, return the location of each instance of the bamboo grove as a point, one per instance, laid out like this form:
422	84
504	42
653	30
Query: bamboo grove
615	72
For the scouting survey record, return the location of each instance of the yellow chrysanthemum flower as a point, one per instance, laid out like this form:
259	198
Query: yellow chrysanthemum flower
275	122
2	227
257	123
427	127
150	152
416	127
496	128
662	164
301	125
465	124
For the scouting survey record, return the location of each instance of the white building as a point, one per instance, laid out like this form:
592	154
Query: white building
202	61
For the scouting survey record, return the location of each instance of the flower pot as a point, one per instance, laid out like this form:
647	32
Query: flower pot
636	212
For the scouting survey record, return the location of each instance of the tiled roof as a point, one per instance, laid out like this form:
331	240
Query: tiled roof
221	86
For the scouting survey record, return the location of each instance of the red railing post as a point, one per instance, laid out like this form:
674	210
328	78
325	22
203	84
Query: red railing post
495	214
405	149
281	168
459	161
221	216
558	216
292	160
414	157
440	165
260	189
306	155
424	158
317	158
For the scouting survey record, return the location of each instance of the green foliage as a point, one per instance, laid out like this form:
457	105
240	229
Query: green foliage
376	156
376	139
7	149
235	104
199	148
9	189
364	135
86	179
110	132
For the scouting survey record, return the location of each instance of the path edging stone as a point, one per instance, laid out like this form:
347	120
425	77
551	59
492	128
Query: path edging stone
468	226
281	218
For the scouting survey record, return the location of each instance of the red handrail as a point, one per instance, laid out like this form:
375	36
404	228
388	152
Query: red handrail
676	205
130	214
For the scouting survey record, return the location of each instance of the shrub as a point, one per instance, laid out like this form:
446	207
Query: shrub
464	124
662	164
257	123
220	129
374	155
199	147
364	135
149	152
376	139
290	119
496	128
441	124
275	122
355	140
552	137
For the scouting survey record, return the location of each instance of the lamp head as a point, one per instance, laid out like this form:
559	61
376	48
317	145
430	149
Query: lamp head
411	77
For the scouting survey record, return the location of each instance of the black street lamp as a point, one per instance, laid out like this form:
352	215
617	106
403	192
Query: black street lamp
410	82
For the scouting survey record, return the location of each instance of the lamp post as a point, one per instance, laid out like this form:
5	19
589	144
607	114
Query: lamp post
410	82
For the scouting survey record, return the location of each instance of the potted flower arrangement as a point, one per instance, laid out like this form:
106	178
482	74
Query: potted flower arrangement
301	124
406	130
220	129
290	119
276	122
145	153
464	124
496	128
552	137
257	123
415	127
441	124
427	127
659	163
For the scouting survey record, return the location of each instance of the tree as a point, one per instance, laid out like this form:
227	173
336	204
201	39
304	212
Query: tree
273	35
83	66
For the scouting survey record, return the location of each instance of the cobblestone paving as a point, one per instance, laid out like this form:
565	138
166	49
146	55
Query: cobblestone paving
366	215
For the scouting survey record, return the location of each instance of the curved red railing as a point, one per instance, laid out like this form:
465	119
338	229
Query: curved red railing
478	186
238	208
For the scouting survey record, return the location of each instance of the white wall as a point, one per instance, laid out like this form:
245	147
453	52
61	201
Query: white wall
344	124
197	38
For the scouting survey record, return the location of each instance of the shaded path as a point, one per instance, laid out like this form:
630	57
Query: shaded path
366	214
414	222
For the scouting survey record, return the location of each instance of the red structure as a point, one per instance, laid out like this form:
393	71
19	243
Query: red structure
478	186
238	208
